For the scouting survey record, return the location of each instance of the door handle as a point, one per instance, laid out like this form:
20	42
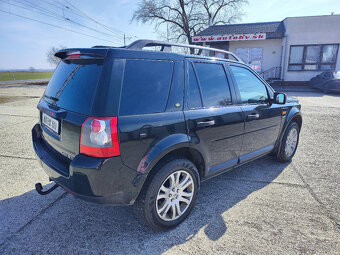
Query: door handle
205	123
253	116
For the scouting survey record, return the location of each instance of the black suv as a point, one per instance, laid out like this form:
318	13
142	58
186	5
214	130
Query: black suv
131	126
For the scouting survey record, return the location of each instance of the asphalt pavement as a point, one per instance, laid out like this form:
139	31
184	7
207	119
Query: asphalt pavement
264	207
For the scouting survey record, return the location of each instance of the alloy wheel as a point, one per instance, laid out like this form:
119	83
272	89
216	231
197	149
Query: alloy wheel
291	142
175	195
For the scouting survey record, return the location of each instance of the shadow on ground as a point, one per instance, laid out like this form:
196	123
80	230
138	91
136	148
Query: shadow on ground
315	93
76	226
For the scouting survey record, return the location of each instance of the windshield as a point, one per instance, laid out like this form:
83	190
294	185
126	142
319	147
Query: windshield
73	86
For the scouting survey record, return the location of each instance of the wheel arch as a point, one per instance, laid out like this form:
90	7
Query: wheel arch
182	150
298	119
294	115
185	152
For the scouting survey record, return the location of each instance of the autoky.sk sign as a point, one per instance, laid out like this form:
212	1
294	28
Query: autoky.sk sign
234	37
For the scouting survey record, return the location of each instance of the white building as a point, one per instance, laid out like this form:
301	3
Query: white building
293	50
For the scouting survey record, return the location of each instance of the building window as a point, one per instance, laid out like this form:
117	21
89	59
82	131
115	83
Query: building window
312	57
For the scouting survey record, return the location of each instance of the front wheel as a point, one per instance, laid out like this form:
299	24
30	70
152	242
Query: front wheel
289	143
326	88
169	196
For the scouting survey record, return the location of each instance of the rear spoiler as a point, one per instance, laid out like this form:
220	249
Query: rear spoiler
68	54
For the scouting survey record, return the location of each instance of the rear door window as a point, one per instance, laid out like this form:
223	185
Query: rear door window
194	93
73	86
214	84
146	86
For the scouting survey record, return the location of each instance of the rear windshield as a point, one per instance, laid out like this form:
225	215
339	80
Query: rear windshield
73	86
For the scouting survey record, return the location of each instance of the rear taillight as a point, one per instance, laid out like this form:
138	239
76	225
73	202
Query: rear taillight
99	137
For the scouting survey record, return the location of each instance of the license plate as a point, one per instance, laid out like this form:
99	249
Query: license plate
50	122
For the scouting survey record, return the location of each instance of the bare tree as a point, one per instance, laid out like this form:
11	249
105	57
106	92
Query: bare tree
223	11
50	55
186	18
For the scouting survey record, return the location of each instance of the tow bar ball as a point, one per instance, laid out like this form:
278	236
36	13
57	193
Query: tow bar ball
38	188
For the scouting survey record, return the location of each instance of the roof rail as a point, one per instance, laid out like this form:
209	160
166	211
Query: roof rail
166	47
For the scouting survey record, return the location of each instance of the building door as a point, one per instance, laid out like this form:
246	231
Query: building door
252	57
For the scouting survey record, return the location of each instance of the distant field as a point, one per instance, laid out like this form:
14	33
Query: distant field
8	76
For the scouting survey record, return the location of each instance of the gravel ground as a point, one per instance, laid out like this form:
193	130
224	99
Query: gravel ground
263	207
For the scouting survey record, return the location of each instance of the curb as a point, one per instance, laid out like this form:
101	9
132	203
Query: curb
35	82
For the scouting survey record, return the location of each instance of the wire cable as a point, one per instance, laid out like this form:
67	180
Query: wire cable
11	13
104	26
61	18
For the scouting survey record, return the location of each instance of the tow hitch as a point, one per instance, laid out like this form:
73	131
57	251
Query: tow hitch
38	188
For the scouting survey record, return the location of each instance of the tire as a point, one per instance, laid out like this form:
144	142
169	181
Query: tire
312	83
155	194
284	155
325	88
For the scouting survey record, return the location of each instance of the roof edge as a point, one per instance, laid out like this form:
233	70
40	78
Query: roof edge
252	23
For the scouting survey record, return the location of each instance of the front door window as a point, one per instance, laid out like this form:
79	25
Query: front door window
251	89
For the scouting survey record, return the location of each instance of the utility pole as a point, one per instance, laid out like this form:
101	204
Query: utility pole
124	40
167	28
167	32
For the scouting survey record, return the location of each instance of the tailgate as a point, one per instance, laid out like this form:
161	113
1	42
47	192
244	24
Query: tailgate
80	87
66	140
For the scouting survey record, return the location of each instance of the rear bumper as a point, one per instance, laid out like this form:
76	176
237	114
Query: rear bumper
100	180
336	89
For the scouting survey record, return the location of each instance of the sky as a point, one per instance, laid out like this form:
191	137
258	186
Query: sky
24	43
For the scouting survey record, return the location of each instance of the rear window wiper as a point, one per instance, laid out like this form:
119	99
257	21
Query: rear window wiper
67	80
53	98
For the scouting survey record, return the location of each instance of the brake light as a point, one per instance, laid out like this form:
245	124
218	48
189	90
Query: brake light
99	137
73	55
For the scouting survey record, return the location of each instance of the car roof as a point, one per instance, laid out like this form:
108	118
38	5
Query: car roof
140	49
149	54
168	47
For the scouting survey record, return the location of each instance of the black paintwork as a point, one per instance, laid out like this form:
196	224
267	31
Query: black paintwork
216	138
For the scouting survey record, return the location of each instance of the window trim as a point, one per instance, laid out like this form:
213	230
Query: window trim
229	83
318	63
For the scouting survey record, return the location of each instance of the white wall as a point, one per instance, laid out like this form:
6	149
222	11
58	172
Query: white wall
310	30
271	50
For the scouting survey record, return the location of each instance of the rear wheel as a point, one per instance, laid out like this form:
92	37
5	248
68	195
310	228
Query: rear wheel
289	143
169	196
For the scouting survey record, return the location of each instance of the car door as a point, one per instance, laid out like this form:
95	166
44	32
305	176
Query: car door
262	119
151	89
215	125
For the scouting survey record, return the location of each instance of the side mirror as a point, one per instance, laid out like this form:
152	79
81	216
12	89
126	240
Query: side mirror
279	98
